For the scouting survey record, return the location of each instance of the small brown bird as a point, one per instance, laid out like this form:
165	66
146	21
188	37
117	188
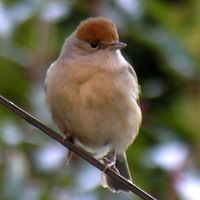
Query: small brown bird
92	93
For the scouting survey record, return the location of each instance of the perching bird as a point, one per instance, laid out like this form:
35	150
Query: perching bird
92	93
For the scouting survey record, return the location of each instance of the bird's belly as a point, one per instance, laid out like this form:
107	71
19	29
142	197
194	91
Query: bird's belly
96	114
101	127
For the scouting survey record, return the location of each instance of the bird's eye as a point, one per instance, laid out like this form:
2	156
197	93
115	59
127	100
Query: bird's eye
94	45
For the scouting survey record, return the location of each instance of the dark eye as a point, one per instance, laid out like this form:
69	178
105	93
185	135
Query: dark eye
94	45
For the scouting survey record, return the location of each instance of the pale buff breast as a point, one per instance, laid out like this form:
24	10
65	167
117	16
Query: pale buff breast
97	110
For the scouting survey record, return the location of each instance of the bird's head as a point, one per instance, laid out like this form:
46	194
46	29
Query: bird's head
99	33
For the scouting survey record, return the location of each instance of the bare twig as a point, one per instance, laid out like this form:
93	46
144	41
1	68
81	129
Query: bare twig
30	119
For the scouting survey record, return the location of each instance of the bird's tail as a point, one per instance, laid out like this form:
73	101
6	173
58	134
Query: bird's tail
122	166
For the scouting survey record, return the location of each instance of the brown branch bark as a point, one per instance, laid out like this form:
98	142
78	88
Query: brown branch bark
30	119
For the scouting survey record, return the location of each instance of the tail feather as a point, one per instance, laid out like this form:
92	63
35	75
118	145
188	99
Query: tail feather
122	166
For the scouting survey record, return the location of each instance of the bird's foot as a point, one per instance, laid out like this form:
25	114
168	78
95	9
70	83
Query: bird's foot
109	161
68	137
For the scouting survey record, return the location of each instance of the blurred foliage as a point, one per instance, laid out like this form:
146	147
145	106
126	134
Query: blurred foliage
164	48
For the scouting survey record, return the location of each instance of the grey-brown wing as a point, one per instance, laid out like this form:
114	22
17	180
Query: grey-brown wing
132	72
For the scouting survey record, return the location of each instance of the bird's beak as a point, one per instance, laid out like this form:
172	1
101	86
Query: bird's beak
116	45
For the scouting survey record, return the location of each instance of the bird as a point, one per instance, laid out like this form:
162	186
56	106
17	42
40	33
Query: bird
92	93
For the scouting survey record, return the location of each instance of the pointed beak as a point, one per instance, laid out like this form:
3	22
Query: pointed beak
116	45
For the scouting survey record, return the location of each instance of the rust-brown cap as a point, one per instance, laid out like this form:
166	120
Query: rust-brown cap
97	29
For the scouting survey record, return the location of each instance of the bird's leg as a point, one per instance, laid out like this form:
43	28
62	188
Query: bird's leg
69	138
109	161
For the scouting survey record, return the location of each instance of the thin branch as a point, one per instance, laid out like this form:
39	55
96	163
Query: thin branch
30	119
